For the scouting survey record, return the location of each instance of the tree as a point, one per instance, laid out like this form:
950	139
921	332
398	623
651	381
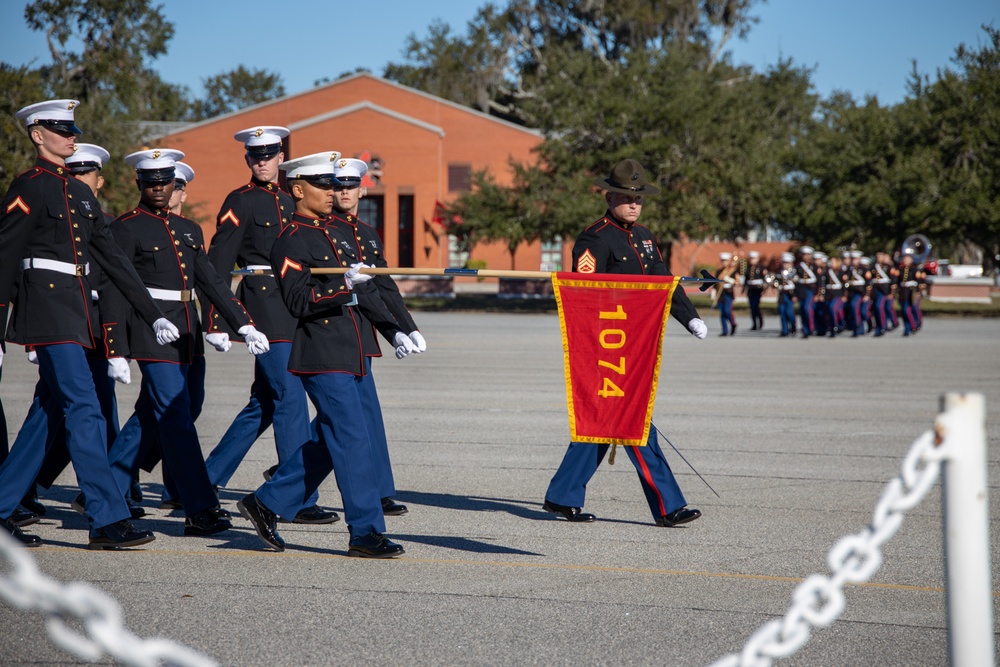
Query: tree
237	89
110	74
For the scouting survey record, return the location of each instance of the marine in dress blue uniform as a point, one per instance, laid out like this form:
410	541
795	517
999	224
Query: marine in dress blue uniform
753	287
168	253
805	280
247	226
727	272
327	354
617	244
785	283
366	247
85	165
51	229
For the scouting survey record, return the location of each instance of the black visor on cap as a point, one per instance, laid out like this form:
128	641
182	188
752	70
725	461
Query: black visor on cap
263	152
320	179
152	176
60	126
83	167
349	181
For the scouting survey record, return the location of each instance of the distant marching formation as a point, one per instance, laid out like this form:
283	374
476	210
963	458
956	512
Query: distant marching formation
832	295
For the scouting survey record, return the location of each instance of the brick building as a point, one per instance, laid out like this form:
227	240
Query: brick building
422	150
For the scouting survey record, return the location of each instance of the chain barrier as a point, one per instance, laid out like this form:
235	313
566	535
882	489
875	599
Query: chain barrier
819	600
24	586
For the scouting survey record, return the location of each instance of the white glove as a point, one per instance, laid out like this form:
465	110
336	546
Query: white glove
697	328
32	357
220	341
418	342
354	275
165	330
119	371
255	340
1	357
404	345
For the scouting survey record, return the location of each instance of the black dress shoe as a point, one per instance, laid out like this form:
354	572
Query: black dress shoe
119	535
171	504
269	473
30	503
316	515
374	545
264	521
22	537
677	517
391	508
572	514
21	518
206	522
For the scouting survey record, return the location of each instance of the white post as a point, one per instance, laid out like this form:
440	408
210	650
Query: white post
966	531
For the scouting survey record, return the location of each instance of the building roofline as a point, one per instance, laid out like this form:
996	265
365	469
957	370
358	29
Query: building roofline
365	104
435	98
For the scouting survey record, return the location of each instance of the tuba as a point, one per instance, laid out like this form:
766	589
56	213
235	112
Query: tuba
916	246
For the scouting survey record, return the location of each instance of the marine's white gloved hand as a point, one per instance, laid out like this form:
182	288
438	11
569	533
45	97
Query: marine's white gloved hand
119	371
220	341
32	357
1	357
697	328
404	345
354	275
165	331
255	340
418	342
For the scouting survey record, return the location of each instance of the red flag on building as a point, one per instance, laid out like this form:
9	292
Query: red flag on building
612	333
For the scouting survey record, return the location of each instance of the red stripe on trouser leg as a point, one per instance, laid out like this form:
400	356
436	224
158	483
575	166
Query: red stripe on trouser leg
649	479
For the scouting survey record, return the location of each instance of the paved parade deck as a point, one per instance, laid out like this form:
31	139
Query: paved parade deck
797	436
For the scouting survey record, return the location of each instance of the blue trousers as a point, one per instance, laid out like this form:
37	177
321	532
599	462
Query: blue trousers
726	312
167	413
66	391
786	311
753	298
348	453
879	313
276	397
856	321
569	484
376	435
807	312
57	455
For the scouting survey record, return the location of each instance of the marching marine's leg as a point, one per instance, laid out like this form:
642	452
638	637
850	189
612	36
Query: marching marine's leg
663	494
380	445
568	489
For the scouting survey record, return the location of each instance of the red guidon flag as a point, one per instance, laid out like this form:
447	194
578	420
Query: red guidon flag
612	333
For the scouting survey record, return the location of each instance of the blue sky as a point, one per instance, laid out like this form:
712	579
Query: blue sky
863	47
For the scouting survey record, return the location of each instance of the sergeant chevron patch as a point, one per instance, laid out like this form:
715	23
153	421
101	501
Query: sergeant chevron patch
19	203
587	263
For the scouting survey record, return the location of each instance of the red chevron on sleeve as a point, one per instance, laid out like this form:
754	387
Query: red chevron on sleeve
229	215
19	203
289	264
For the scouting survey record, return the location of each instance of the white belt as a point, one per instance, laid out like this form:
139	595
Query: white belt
756	283
53	265
171	294
257	267
910	283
